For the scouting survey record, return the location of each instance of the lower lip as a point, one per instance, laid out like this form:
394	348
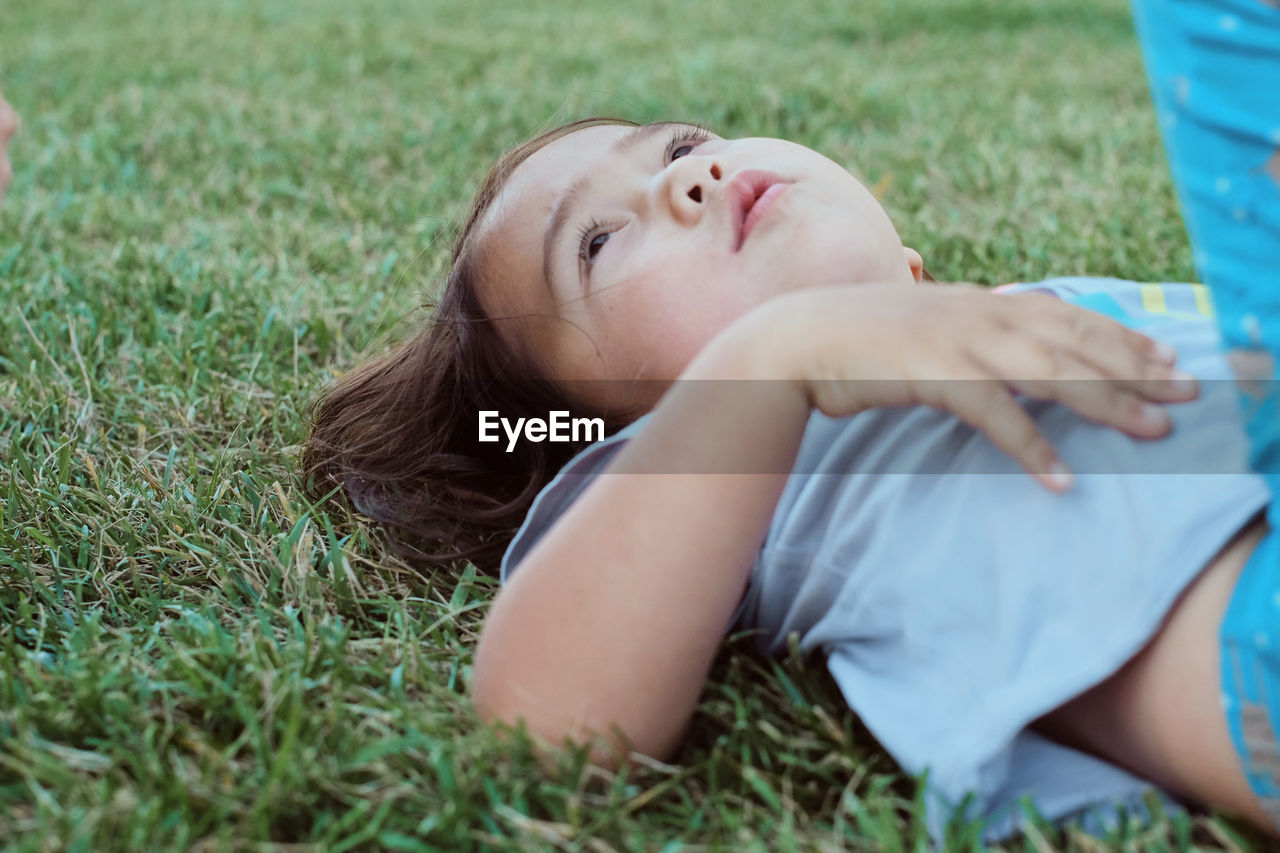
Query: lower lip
760	209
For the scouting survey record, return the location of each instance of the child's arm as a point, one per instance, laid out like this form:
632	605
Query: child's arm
612	620
614	617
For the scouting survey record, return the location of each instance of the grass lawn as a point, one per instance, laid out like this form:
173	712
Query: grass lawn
219	206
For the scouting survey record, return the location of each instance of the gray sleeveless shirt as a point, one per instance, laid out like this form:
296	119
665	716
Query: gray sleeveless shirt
957	600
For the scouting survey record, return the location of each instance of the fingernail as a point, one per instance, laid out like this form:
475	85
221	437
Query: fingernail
1059	476
1183	381
1153	414
1165	352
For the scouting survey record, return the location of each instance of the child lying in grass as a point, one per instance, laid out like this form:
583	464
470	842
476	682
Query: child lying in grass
1052	637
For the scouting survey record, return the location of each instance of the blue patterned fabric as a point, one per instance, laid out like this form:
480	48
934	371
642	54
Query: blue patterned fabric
1251	671
1214	70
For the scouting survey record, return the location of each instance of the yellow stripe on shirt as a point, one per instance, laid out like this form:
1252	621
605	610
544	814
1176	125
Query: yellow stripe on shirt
1153	298
1204	300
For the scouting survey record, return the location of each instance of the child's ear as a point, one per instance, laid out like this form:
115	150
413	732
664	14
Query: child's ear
915	262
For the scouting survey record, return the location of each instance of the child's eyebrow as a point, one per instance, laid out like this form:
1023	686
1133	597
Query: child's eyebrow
565	205
638	134
559	217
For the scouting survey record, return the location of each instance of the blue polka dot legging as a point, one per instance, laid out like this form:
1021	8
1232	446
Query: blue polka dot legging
1214	69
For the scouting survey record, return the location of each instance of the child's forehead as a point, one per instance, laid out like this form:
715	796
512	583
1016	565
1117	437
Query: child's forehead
533	186
561	160
509	240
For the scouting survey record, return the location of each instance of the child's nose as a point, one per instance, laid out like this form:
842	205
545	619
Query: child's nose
691	181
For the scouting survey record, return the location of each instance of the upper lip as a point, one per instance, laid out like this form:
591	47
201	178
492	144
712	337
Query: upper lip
743	191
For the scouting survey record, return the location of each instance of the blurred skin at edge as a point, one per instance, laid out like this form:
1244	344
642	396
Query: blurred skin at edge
8	126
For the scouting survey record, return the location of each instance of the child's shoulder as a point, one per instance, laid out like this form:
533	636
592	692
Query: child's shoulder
554	499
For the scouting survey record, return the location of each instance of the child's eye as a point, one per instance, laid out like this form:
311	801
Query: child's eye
591	240
681	151
595	244
684	141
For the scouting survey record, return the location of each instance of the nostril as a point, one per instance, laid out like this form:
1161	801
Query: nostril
696	194
715	171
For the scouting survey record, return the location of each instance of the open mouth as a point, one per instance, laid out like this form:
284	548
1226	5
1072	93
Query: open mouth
751	194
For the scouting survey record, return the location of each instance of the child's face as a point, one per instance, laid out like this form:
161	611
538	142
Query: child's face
624	251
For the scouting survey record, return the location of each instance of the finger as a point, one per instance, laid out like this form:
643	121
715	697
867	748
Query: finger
1070	337
988	406
1059	374
1142	364
1089	332
1123	361
1103	401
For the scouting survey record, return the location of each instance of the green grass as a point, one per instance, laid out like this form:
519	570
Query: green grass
219	206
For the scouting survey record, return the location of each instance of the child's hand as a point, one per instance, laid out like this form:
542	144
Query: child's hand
967	350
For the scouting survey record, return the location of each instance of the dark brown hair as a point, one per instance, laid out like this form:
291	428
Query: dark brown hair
398	435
